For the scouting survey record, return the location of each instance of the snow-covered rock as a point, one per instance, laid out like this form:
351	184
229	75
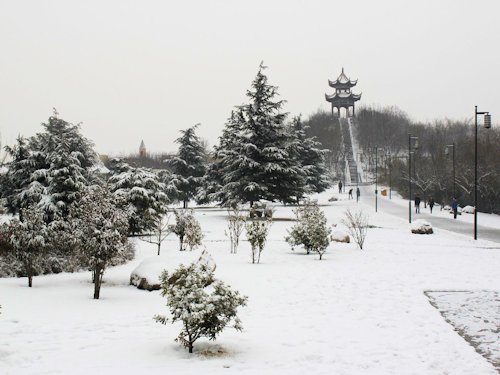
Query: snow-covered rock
340	236
333	199
468	210
447	207
421	226
147	274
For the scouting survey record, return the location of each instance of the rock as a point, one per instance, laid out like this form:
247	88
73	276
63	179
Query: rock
340	236
468	210
421	226
333	199
146	275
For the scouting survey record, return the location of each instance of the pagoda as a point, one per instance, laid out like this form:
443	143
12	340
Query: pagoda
343	96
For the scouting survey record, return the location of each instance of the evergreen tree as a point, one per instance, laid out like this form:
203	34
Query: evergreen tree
101	229
254	162
310	156
140	193
20	186
50	169
189	165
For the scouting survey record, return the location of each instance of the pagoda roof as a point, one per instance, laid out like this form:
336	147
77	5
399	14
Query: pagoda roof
342	81
342	97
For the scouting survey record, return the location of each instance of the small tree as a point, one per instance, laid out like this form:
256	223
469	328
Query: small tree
235	224
257	232
187	228
101	228
357	225
160	233
310	230
193	235
204	305
29	238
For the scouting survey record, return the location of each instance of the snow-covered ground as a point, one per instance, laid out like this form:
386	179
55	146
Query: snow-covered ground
354	312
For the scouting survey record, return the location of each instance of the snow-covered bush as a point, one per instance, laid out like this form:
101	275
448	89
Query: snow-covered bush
311	230
188	229
204	305
29	239
235	224
257	232
101	230
421	226
357	225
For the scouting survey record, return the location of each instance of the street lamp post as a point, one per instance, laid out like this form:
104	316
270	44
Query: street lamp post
376	177
453	157
410	152
487	125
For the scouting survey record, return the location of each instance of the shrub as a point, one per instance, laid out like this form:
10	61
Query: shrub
187	228
204	305
257	232
235	224
357	225
311	230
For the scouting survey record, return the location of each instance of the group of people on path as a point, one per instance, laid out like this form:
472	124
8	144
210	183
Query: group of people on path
358	192
431	203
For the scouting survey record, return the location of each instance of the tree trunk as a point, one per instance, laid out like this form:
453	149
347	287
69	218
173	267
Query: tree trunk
97	281
181	243
185	204
159	245
29	271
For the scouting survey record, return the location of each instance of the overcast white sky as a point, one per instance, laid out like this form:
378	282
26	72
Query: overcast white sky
132	70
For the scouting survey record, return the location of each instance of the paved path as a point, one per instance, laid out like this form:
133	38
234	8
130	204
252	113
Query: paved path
458	226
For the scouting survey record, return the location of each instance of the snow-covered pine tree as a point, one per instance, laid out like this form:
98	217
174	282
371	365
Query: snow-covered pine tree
101	229
189	165
29	239
20	186
310	156
253	159
51	168
141	194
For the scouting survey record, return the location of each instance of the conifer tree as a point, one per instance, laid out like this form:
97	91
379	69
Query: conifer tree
189	165
308	153
254	162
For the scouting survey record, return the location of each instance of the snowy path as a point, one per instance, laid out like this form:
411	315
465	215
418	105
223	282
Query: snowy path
460	225
355	312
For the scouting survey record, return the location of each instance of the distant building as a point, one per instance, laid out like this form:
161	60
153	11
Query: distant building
343	96
142	150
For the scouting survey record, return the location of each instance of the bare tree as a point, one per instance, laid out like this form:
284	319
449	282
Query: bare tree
160	233
357	225
235	224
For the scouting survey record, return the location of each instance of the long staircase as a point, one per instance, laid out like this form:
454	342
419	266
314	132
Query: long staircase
352	175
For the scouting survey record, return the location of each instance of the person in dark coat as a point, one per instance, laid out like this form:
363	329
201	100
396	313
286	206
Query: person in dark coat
358	194
340	186
417	204
431	203
350	194
454	207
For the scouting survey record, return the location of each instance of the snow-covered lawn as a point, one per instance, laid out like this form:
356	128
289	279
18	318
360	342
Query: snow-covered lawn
475	315
354	312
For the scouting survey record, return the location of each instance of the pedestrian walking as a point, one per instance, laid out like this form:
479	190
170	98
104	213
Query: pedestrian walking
350	194
417	204
431	203
454	206
340	186
358	193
